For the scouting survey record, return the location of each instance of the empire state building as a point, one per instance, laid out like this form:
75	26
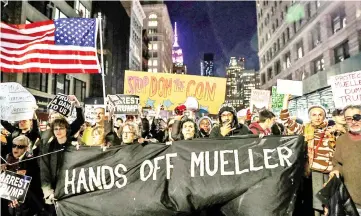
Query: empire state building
177	55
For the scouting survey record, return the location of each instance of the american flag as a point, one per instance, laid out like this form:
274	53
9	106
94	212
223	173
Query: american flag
54	46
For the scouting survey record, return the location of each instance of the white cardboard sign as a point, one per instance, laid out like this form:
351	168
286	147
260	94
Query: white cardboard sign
290	87
259	99
16	102
346	89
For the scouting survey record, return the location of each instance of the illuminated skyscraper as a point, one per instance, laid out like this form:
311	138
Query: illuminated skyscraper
177	54
208	65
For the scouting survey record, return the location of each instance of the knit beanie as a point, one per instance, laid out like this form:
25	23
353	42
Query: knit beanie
316	106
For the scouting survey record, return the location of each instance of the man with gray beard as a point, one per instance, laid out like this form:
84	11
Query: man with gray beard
347	158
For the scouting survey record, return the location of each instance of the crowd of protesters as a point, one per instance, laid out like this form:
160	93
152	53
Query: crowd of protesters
333	146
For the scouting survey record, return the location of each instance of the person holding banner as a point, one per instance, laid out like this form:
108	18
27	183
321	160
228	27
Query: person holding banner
27	127
263	126
184	128
228	123
204	125
19	161
130	133
49	164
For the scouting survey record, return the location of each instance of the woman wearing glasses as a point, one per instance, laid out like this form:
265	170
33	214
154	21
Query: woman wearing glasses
49	164
18	161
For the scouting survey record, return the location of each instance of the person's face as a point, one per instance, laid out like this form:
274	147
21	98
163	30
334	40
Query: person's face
317	116
188	130
205	125
100	115
59	131
340	119
270	122
53	116
353	125
226	117
24	124
19	149
119	122
128	135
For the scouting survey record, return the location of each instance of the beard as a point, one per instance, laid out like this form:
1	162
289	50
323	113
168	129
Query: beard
355	131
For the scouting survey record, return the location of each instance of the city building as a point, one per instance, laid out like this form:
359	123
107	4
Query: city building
135	42
145	52
160	34
240	83
116	26
309	41
207	66
45	86
177	53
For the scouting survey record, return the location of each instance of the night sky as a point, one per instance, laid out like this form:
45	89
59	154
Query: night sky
223	28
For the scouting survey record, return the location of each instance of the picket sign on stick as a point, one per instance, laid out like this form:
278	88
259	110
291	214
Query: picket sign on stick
61	104
16	102
259	99
290	87
14	186
123	104
346	89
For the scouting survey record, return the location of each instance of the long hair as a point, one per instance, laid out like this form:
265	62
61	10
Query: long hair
62	122
196	132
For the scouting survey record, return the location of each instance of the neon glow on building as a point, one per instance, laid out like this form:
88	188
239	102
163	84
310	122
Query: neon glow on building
177	54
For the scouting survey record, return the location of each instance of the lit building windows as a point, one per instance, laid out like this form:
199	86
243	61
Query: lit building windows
155	46
153	16
342	52
155	70
155	62
316	35
153	23
59	14
318	65
287	60
338	19
299	49
149	69
81	10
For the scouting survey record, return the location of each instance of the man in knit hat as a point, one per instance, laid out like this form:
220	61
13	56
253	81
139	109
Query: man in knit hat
228	123
320	150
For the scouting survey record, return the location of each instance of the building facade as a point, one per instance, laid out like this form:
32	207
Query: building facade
309	41
160	34
240	83
207	66
45	86
145	51
135	42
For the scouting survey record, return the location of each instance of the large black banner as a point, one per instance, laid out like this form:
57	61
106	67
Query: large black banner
236	176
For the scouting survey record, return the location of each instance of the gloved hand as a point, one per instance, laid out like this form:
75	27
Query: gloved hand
49	196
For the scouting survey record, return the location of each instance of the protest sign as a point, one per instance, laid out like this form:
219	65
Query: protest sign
90	112
171	90
290	87
61	104
159	179
277	99
16	103
124	104
14	186
346	89
259	99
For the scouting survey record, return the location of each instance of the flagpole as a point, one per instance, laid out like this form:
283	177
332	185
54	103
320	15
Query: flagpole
101	54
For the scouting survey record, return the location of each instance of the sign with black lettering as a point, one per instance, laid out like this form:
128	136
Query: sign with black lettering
243	176
61	104
123	104
14	186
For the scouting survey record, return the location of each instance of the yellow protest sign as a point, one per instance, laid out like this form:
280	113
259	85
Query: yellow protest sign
172	90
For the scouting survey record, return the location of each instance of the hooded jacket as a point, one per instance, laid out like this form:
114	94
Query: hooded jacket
177	129
240	129
202	133
256	129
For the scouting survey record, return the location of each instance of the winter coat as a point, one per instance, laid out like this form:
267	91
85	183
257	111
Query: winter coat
158	130
256	129
51	163
34	202
33	134
240	129
337	199
177	129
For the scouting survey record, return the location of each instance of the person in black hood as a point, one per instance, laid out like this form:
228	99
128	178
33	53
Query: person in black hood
228	123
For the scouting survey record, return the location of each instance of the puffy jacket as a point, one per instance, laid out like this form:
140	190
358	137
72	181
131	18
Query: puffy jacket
336	197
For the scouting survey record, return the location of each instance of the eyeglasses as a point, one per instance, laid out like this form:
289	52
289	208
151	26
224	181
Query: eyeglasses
356	117
59	128
227	115
19	146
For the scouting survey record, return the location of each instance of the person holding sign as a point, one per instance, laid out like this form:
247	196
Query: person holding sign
319	147
228	123
18	162
26	127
